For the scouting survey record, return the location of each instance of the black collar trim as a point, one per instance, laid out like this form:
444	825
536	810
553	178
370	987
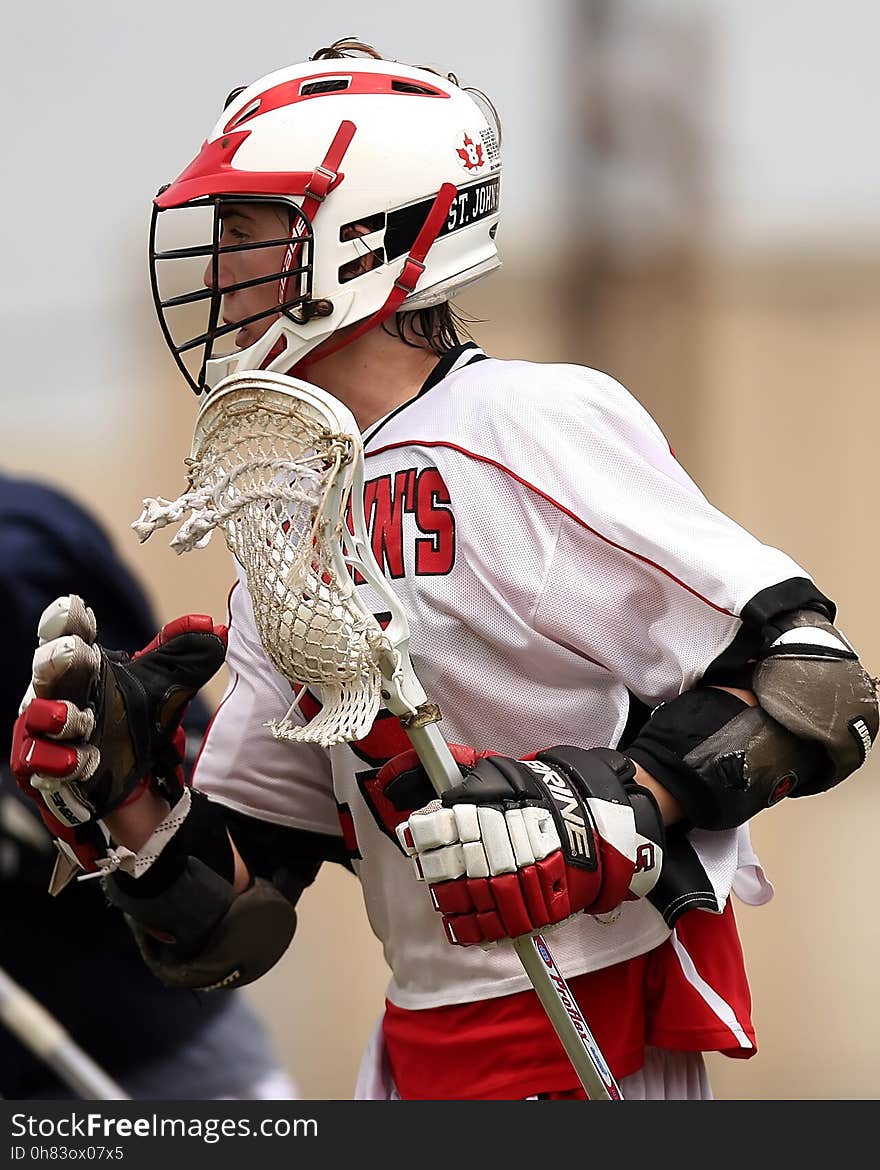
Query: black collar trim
450	360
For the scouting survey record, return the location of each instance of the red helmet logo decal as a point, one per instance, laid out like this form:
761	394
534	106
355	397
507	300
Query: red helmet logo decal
470	152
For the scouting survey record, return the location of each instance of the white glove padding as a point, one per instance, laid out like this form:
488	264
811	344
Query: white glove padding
68	615
522	844
65	632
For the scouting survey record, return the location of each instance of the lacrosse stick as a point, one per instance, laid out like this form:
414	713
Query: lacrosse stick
42	1034
275	464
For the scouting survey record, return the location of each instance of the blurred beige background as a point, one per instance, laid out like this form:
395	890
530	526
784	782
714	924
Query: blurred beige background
690	202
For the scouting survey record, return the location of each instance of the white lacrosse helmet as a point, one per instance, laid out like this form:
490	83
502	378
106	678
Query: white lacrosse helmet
401	159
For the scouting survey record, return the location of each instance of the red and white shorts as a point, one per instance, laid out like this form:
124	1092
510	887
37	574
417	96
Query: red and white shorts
652	1017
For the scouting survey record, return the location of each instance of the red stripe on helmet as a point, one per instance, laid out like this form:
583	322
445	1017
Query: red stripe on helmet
211	173
289	93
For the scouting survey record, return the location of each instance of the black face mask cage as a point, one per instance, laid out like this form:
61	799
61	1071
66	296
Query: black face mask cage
189	312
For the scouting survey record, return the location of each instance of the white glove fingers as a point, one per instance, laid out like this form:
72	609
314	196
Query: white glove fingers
67	615
467	822
68	658
476	864
433	827
541	828
496	841
442	865
519	837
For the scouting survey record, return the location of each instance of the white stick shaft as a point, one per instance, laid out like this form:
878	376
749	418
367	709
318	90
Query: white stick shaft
40	1032
552	990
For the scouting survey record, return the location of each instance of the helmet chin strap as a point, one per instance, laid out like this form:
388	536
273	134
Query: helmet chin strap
413	267
323	179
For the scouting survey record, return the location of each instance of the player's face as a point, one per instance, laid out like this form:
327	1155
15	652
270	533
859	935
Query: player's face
249	223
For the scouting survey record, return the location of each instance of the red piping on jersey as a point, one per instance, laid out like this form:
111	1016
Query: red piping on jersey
531	487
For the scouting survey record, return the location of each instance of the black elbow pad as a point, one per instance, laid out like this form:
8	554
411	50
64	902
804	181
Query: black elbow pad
723	760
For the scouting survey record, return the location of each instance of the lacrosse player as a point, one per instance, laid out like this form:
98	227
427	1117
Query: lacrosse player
628	675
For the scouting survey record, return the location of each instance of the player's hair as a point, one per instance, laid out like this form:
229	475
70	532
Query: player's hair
441	327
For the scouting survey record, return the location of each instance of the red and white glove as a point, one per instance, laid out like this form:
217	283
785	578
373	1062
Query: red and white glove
521	844
96	725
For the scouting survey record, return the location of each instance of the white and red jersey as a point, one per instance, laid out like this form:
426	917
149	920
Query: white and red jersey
556	563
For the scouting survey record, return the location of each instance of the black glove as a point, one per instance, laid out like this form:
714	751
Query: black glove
101	722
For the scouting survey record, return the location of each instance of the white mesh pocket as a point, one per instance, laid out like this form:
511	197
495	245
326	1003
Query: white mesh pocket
270	472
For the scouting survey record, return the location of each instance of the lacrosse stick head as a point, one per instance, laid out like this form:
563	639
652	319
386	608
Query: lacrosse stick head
277	465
